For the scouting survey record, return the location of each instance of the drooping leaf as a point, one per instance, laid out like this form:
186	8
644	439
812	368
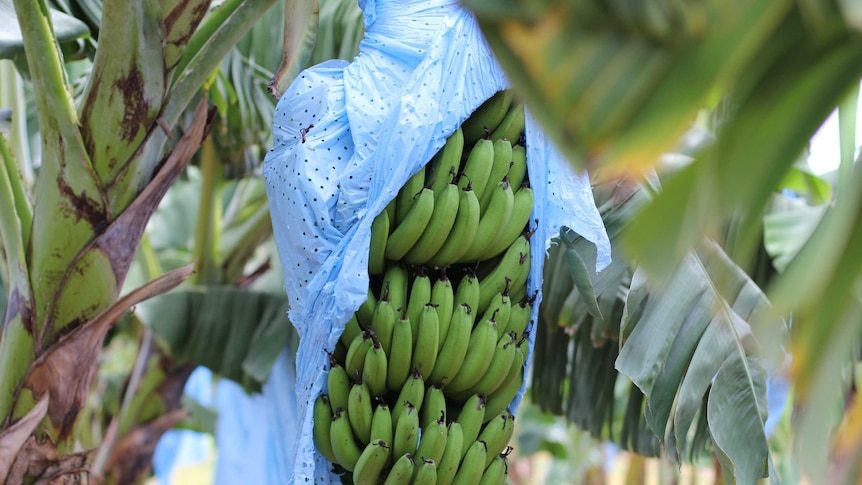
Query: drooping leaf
12	439
653	387
236	333
738	396
711	328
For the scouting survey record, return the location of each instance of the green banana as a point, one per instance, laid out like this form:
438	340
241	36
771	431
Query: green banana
410	229
518	170
463	230
405	199
518	285
406	436
320	432
351	330
381	423
477	168
446	162
438	228
377	248
501	308
497	433
492	222
472	465
365	313
412	392
522	210
502	397
390	211
471	417
433	441
374	370
433	405
425	348
519	318
355	360
383	324
495	473
395	283
480	353
512	126
359	411
487	117
443	298
371	462
502	162
426	473
340	352
338	384
420	294
401	471
454	349
344	446
400	359
448	465
468	293
498	369
515	261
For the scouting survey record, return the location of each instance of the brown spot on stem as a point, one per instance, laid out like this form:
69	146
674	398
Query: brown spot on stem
83	206
129	226
137	109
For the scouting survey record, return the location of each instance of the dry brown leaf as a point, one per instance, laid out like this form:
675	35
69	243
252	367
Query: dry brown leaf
13	439
66	369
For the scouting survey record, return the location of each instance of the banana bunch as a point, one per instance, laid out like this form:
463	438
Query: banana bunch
466	205
421	378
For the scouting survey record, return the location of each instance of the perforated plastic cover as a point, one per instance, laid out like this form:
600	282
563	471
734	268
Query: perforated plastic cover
347	136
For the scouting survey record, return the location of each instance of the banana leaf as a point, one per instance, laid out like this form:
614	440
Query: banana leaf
788	227
235	332
649	365
66	28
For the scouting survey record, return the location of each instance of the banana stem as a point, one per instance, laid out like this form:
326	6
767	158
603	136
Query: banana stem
259	227
204	60
301	20
12	94
54	103
208	227
13	181
847	111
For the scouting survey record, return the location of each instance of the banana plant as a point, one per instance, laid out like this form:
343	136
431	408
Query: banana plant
106	160
656	368
617	84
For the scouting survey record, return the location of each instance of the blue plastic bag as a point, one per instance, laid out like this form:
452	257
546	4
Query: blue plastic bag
346	139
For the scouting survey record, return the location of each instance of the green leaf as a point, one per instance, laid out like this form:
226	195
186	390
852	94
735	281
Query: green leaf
236	333
583	279
686	333
786	230
786	107
66	29
738	396
803	182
